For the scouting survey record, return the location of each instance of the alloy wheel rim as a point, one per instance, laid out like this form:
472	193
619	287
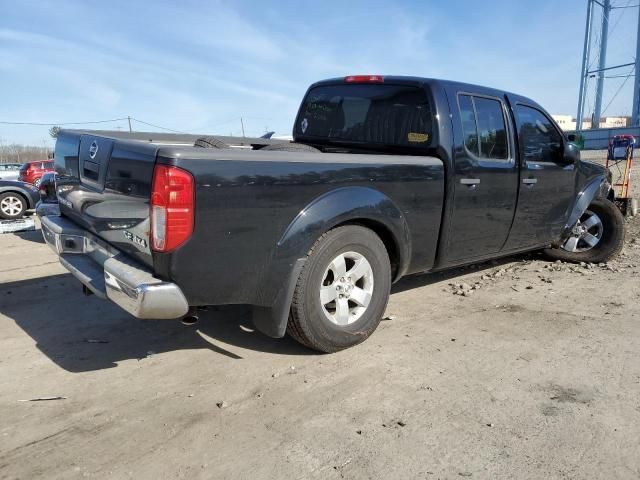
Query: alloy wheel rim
346	288
11	206
586	234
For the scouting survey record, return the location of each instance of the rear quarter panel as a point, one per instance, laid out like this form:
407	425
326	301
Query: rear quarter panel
246	204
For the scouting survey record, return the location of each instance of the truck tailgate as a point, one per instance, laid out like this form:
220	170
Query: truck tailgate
104	185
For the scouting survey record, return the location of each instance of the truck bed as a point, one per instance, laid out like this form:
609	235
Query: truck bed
246	203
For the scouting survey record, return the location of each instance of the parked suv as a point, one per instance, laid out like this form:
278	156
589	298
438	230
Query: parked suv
16	198
9	171
32	172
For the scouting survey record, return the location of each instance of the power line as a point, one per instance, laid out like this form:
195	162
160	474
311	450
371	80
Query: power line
90	122
42	124
619	89
128	118
626	6
619	18
158	126
619	76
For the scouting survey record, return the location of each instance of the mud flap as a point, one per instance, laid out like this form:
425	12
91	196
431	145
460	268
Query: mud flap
272	321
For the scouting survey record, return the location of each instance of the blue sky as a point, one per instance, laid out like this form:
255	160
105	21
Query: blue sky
197	66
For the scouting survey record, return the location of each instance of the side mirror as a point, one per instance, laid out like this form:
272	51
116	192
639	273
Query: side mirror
571	154
572	137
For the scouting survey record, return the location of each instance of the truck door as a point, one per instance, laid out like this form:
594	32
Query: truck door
547	187
485	180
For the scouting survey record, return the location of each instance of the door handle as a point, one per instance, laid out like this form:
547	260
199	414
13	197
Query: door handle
530	181
471	182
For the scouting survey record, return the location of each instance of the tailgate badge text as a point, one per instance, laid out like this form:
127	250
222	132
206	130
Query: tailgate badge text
135	239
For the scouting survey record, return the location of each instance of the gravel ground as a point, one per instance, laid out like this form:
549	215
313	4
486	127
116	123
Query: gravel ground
520	368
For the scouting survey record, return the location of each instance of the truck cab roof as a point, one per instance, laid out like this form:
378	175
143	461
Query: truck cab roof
427	81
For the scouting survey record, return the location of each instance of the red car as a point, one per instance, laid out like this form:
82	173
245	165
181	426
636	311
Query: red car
32	172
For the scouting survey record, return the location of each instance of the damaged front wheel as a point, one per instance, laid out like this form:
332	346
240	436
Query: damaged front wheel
597	237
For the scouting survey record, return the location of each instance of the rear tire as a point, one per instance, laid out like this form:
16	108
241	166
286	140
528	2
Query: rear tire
210	142
290	147
610	242
12	206
339	303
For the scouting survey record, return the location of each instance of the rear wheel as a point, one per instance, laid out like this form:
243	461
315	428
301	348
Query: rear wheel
342	291
597	237
12	206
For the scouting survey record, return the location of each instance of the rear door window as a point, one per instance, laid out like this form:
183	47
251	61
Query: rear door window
483	127
369	114
469	126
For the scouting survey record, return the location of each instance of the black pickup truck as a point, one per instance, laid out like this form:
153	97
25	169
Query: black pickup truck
386	176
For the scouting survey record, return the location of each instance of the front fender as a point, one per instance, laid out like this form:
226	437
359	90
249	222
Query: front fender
596	188
339	206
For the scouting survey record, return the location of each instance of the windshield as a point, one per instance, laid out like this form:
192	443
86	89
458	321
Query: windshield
372	114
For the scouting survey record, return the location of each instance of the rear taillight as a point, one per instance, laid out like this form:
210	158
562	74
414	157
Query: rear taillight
364	79
172	207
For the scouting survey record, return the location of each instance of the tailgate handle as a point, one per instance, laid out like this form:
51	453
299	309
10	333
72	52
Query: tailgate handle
91	166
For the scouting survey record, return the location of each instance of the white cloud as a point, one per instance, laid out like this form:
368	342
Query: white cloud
201	65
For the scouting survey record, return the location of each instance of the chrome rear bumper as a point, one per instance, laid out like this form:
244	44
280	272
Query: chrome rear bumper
110	274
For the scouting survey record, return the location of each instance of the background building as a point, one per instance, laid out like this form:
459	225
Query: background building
568	122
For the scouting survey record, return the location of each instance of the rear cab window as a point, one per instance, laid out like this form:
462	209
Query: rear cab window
367	116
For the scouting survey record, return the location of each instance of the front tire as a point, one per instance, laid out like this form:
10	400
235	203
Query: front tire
597	237
342	291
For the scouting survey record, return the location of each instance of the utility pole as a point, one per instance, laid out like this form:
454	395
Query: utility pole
635	116
242	125
585	65
129	118
604	39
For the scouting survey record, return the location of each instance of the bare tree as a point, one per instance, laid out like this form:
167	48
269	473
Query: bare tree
53	131
17	153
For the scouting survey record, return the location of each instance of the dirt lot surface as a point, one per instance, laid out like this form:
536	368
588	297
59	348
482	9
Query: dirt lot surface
521	368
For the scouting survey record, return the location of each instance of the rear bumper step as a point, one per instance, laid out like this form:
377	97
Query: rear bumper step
109	274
